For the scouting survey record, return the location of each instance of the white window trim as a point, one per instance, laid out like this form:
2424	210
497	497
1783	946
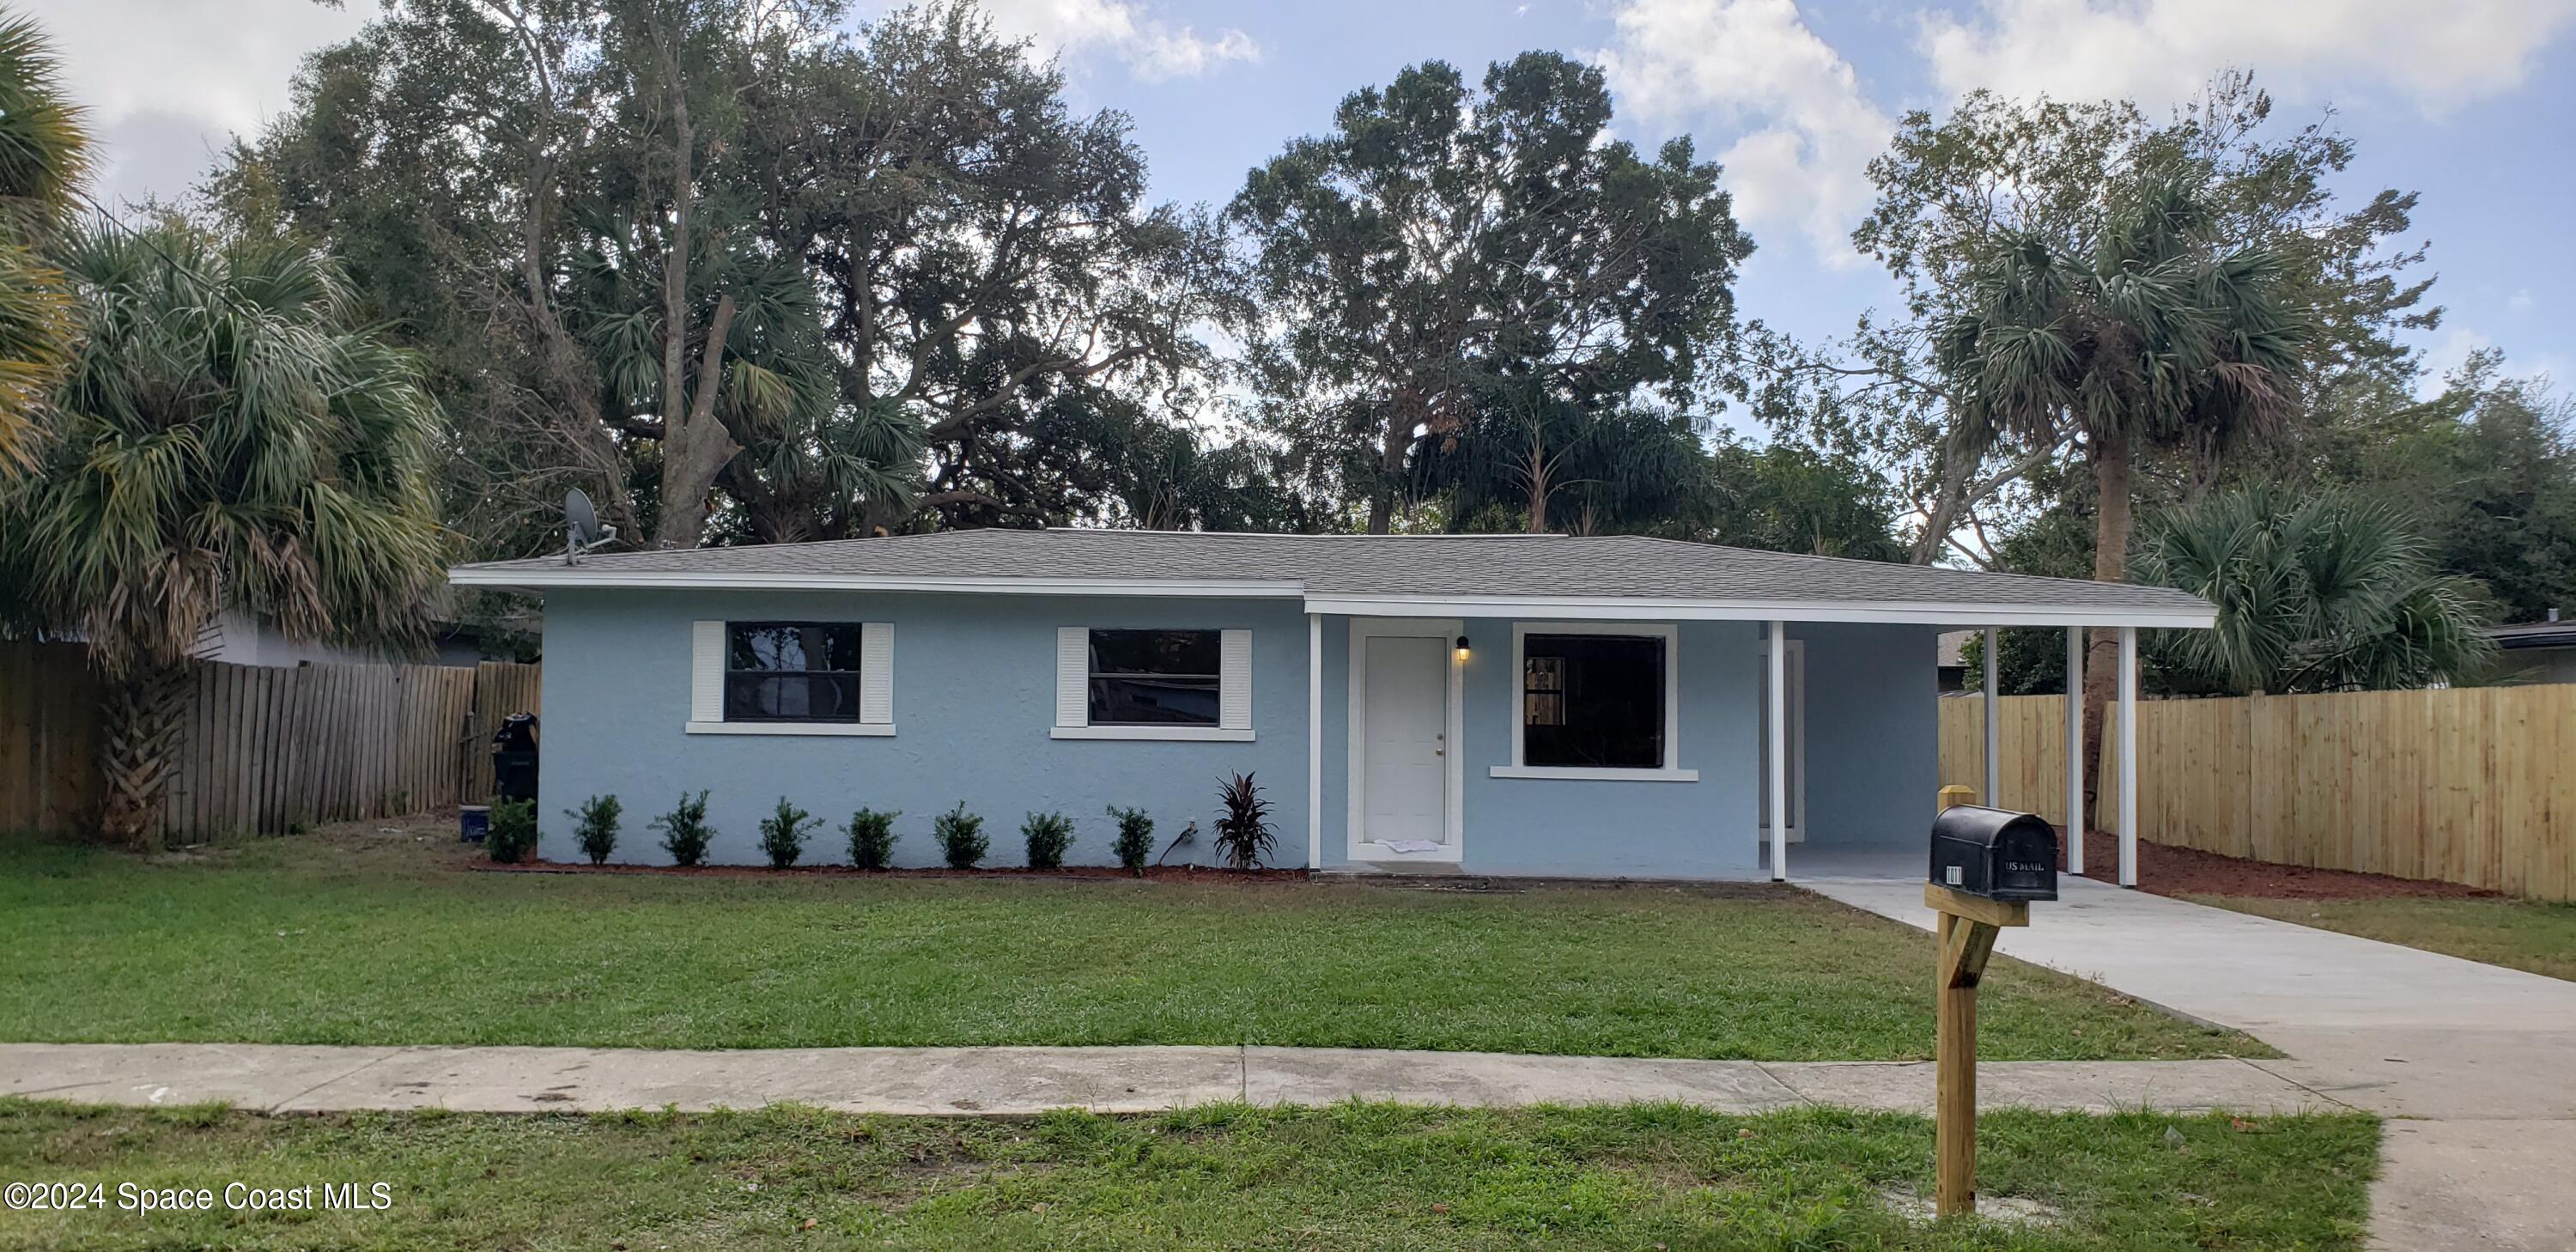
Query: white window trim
1234	691
872	730
707	638
1669	771
1178	734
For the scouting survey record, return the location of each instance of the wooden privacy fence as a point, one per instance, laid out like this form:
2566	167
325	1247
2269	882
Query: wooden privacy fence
260	748
2474	785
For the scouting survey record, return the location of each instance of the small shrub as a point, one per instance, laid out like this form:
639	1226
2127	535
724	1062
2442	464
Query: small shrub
961	837
782	834
514	831
1049	834
685	833
594	827
1135	838
1243	835
872	838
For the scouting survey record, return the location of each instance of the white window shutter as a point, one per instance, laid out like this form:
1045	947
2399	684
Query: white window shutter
1234	684
1073	676
706	671
876	673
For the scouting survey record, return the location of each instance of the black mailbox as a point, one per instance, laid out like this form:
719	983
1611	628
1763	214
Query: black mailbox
1994	853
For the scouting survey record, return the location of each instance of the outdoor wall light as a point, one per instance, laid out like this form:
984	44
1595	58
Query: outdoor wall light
1462	649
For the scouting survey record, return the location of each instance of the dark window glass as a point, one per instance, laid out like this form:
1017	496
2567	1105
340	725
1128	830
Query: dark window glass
1593	701
1155	677
791	672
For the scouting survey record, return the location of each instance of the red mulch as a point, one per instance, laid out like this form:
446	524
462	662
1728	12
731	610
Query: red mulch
2170	871
1157	873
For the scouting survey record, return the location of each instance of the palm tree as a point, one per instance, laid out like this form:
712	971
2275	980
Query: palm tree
227	440
2314	593
2160	338
44	155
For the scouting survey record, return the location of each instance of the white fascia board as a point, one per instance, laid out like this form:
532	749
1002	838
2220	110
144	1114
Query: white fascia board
574	576
1634	608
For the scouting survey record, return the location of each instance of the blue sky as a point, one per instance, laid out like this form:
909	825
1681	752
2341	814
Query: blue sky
2471	108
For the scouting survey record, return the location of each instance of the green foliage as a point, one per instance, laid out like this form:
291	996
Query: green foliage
2315	593
1135	842
872	838
1243	835
1785	497
685	833
1447	249
783	833
594	828
1048	835
230	437
961	837
44	159
513	832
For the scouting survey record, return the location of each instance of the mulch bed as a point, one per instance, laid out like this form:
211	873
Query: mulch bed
2166	870
1086	873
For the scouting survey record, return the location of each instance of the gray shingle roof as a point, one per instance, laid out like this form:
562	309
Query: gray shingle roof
1552	567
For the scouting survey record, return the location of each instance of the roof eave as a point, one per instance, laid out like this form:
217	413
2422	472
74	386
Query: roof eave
1608	608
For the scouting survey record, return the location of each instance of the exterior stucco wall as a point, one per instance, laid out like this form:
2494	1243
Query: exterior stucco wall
1873	733
1701	829
974	683
974	698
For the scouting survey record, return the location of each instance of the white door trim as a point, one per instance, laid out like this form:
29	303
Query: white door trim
1355	747
1796	667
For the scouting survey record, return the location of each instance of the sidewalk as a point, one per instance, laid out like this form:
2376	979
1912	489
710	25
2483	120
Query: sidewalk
2474	1062
1021	1081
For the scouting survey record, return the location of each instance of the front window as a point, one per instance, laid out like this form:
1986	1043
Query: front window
791	672
1155	677
1592	701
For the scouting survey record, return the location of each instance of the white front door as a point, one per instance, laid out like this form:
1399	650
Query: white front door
1403	746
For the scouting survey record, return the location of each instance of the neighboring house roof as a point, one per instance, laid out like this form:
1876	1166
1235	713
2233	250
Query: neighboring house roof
1452	575
2550	634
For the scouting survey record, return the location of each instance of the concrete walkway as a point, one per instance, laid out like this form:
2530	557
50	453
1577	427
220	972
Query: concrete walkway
2478	1061
1017	1081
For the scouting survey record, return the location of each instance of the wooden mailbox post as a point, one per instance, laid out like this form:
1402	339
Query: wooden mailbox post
1965	927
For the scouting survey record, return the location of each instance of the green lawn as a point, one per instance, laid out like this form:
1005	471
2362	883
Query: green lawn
1349	1176
372	939
2522	934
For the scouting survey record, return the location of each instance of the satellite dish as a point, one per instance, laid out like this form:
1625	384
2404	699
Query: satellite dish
581	523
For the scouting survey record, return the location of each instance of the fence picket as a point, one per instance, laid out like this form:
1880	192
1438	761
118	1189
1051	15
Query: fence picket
2466	785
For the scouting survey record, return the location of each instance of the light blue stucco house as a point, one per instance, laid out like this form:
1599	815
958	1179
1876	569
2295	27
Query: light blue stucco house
1502	704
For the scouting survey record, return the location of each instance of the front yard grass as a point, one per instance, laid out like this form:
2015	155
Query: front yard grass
382	939
2521	934
1345	1177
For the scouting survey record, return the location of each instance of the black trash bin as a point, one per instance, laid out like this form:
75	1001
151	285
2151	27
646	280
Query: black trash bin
514	757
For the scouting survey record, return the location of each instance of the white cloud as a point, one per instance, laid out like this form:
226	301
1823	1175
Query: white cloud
1809	132
1151	48
2162	51
2520	301
168	81
2451	352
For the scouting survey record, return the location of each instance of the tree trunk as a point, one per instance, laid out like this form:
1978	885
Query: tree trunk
2110	565
1539	489
1390	467
695	444
141	735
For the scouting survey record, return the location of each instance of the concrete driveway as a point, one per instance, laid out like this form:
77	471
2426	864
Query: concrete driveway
2475	1064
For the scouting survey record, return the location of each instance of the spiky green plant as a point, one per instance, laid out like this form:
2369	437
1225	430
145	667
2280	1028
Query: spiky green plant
229	437
2314	593
44	158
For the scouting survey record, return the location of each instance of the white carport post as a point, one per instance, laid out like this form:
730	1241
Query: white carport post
1314	741
1994	796
2075	814
1775	724
2128	756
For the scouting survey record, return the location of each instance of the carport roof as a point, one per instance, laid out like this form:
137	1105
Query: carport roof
1617	576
